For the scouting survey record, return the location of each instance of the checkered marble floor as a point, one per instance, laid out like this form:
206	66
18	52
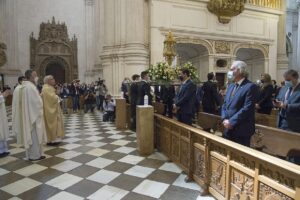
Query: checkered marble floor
95	161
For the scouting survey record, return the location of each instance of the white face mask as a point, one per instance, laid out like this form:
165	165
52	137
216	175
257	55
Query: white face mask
36	80
230	76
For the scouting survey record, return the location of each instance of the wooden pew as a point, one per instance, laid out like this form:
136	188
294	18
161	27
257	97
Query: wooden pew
159	108
224	169
270	140
266	120
210	121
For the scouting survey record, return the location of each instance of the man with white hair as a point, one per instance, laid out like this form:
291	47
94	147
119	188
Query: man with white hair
238	110
52	112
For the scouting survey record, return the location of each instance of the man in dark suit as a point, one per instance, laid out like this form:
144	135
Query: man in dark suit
238	110
144	88
133	98
185	99
288	100
210	99
167	97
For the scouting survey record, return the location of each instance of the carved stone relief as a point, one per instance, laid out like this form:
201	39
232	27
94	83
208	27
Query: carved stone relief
3	58
222	47
242	186
268	193
54	42
218	175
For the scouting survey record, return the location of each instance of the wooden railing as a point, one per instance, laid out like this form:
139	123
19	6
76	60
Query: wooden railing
274	4
270	140
223	168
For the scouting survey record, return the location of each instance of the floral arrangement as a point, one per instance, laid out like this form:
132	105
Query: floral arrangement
193	71
161	72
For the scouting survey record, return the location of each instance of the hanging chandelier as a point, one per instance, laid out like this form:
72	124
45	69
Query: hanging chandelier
226	9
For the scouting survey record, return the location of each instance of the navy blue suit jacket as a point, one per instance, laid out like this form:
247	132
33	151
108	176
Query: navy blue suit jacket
240	110
293	109
186	98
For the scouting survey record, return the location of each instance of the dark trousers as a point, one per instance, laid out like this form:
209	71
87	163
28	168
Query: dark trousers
101	99
185	118
169	108
133	117
88	107
109	116
211	110
241	140
75	100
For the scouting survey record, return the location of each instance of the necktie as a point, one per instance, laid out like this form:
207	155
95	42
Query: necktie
234	89
287	96
289	93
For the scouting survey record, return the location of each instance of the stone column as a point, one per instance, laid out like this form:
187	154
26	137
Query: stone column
282	59
125	51
90	43
9	35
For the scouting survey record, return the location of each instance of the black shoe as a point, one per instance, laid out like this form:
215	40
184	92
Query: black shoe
53	143
2	155
40	158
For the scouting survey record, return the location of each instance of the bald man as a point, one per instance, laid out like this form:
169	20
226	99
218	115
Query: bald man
52	112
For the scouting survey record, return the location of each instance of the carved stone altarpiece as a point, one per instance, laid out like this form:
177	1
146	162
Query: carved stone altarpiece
54	53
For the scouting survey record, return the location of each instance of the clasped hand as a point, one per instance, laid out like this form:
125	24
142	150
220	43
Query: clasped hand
227	124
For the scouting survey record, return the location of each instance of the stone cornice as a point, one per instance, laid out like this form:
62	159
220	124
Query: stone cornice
216	36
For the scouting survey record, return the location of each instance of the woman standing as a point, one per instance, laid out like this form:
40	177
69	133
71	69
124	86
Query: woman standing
264	104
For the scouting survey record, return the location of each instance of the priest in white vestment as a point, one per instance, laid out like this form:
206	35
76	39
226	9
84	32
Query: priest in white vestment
28	118
4	131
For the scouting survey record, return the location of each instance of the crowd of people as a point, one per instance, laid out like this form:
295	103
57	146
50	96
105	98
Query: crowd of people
236	102
37	110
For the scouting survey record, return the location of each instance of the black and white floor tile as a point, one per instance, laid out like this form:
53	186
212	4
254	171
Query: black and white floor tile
95	161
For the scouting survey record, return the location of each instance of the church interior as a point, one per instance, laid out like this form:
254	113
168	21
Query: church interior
115	148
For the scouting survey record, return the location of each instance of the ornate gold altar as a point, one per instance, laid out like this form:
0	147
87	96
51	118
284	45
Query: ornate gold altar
54	53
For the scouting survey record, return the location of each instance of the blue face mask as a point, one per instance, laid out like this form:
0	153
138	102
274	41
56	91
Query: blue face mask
288	84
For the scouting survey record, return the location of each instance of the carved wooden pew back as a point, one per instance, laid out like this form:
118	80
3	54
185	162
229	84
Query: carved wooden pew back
223	168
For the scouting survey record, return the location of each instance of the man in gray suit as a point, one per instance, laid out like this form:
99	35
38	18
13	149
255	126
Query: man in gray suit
288	100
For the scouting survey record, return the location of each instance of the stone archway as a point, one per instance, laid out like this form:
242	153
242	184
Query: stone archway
56	66
57	71
198	54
